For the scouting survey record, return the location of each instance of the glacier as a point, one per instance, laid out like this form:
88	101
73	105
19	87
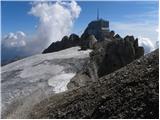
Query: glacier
30	80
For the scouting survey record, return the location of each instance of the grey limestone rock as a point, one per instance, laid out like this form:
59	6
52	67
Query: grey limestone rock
131	92
108	57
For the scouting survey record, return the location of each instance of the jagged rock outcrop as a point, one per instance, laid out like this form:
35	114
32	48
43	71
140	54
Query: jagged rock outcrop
66	42
130	92
117	37
98	28
111	35
96	32
106	58
110	51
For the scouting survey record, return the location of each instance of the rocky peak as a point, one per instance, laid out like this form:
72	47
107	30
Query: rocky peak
98	28
96	34
66	42
107	57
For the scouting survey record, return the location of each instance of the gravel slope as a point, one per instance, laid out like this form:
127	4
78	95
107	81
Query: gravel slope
130	92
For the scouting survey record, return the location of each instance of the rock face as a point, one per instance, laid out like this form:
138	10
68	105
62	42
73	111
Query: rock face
107	57
114	55
92	93
89	42
130	92
97	30
65	43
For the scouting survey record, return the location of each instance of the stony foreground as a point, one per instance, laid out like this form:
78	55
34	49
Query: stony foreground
130	92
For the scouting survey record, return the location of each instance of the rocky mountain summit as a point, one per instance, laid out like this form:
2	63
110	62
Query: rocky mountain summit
96	32
130	92
110	51
106	58
97	75
66	42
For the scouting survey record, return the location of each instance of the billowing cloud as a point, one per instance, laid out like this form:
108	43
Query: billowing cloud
14	40
56	19
147	44
14	46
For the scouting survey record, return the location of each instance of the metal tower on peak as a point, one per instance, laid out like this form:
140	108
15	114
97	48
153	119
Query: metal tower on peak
97	14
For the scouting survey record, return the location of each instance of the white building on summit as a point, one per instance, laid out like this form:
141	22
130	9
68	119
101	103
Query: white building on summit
99	28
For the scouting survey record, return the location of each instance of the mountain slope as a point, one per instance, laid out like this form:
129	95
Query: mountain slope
130	92
32	79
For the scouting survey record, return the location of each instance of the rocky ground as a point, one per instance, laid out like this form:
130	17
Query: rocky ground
115	80
130	92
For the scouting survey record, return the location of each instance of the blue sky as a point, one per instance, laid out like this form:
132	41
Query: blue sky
115	11
126	18
15	17
15	14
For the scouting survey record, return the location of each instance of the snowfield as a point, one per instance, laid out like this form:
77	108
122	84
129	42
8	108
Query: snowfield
27	81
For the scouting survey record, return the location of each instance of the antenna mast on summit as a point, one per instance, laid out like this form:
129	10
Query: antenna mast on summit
97	14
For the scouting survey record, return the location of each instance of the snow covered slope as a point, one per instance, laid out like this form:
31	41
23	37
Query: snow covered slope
30	80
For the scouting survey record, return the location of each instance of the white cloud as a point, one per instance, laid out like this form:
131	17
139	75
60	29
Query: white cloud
15	45
140	24
151	15
147	44
157	30
136	28
56	20
14	40
146	34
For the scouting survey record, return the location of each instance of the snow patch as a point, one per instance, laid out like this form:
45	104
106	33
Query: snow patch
59	82
40	70
44	74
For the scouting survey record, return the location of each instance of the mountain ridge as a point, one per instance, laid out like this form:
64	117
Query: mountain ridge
130	92
84	77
